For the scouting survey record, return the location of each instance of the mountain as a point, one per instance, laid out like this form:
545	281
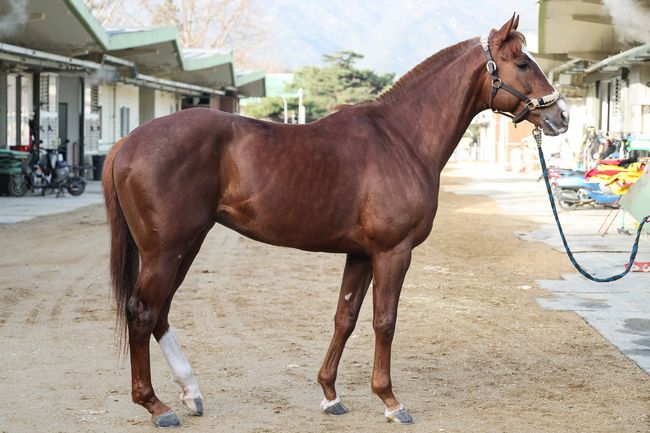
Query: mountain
393	35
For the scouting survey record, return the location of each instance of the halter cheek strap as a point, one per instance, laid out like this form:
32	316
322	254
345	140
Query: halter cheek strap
529	104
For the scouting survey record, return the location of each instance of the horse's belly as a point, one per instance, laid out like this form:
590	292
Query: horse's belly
297	227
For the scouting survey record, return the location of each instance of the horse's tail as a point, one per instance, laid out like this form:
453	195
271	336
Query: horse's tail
125	259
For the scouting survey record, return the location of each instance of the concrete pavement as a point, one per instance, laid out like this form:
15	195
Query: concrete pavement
16	209
619	311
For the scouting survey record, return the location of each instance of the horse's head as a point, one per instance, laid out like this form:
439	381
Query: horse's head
517	86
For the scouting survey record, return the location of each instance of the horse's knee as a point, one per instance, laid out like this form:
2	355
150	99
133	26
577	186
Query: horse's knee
140	317
381	385
344	324
384	325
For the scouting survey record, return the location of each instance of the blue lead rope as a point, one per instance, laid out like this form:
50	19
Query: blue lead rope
537	133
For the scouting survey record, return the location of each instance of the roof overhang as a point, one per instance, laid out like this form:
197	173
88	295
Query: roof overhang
42	61
155	51
562	25
633	56
170	85
206	67
251	83
569	57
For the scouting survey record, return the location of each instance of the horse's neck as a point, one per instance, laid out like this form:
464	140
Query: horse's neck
433	115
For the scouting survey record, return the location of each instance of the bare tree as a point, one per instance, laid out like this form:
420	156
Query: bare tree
227	24
107	12
206	23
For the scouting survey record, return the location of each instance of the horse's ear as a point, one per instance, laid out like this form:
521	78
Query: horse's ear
502	35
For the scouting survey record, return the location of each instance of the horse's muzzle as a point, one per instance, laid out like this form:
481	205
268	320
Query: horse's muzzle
556	121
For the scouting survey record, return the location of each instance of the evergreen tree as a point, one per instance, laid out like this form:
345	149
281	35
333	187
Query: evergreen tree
338	82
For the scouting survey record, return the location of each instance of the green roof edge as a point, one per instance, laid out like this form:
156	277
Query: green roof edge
216	59
89	22
250	77
122	41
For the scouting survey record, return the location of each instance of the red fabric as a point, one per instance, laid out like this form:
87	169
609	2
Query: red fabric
610	161
596	172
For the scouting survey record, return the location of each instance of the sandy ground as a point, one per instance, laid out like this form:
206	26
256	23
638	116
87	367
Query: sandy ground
473	352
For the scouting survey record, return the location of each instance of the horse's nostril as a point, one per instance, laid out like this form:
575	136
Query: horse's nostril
565	116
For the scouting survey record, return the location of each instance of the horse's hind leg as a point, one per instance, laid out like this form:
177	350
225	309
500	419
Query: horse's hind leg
143	310
356	279
182	372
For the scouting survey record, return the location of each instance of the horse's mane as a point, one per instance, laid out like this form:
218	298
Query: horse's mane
441	59
433	63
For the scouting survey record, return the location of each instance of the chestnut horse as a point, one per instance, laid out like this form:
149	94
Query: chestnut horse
363	181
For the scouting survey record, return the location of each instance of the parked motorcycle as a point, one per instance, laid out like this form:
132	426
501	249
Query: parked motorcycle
600	186
575	191
47	170
555	173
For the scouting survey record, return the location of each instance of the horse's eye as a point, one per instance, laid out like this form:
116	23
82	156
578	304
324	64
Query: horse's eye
523	66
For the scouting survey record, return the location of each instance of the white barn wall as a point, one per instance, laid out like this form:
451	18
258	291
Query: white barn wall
165	103
106	102
639	97
112	97
127	96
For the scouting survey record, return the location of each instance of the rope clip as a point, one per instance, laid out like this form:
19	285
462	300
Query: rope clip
537	134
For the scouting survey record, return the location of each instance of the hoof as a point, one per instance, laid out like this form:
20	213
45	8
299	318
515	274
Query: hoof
337	409
334	407
167	420
400	416
194	405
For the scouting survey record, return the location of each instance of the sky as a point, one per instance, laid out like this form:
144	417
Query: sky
393	35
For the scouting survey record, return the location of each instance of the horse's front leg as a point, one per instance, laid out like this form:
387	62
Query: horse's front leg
356	279
389	269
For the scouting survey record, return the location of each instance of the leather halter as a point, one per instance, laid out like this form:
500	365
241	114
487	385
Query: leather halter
529	104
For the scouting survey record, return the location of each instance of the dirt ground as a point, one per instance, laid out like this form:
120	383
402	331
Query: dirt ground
473	351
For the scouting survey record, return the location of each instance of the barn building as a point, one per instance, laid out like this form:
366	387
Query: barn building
65	80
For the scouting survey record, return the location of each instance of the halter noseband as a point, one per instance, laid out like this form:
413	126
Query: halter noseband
529	104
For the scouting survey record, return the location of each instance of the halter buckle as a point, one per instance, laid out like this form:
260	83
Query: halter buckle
491	67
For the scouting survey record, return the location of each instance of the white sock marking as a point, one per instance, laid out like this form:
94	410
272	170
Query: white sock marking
388	413
181	370
326	404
